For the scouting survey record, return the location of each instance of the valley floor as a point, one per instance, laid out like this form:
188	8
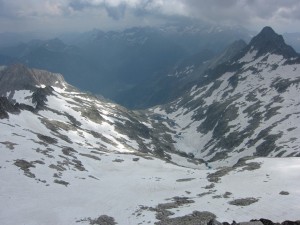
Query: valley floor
135	189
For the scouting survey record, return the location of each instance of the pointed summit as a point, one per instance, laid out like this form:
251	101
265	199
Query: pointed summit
267	41
268	32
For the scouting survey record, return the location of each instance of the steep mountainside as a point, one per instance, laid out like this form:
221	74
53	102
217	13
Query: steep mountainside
247	106
51	110
173	83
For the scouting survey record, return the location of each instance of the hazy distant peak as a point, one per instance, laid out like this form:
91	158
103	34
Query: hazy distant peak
239	44
228	53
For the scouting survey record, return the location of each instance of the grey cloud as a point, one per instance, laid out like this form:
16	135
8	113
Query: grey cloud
243	12
78	5
116	13
248	13
241	9
6	11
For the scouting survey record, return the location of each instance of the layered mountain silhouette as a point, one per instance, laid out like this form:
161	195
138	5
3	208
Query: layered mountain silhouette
117	63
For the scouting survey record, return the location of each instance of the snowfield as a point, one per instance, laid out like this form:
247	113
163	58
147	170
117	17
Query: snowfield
117	186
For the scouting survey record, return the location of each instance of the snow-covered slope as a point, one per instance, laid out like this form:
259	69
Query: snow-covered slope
137	190
61	115
247	106
68	157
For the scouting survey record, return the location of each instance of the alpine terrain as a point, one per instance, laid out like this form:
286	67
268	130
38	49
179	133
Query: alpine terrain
119	64
227	148
248	106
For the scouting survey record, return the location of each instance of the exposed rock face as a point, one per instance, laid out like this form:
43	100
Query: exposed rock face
255	222
17	77
6	106
39	97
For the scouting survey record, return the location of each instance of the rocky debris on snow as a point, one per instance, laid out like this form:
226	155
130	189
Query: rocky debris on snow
25	166
206	193
90	156
288	222
251	223
185	179
47	139
9	145
243	201
267	222
163	212
118	160
196	218
254	222
284	193
214	222
216	176
101	220
242	164
227	194
210	186
6	106
68	151
62	182
247	165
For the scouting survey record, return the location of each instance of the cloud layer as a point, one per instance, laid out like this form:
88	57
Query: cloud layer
80	14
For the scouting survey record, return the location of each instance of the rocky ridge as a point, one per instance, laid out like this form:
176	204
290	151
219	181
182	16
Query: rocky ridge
246	106
60	108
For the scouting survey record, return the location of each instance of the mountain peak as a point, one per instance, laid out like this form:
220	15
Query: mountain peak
267	31
268	41
267	36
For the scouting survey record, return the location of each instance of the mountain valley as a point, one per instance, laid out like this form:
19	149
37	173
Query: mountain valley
120	64
226	147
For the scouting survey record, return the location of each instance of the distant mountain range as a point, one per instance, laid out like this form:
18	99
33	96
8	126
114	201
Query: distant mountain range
116	63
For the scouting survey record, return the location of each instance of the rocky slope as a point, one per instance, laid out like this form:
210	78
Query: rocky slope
51	109
248	106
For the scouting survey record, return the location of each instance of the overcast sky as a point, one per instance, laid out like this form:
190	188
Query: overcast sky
83	15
